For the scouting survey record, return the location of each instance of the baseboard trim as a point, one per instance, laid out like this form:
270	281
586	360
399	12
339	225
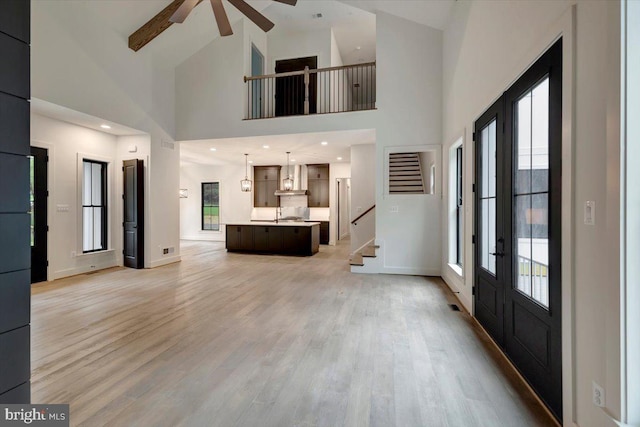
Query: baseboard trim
411	271
61	274
456	288
165	261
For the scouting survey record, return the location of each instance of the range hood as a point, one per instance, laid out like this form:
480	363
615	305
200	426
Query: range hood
297	176
291	192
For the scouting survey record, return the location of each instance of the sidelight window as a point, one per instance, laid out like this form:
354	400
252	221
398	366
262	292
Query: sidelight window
94	206
211	206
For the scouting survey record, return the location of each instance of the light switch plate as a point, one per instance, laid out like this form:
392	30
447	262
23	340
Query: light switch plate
589	212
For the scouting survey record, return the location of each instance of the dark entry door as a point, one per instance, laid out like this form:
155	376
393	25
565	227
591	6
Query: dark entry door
490	262
39	228
133	221
528	192
290	91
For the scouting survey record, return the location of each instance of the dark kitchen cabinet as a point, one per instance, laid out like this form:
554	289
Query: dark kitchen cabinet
318	185
267	239
274	239
266	179
239	236
324	233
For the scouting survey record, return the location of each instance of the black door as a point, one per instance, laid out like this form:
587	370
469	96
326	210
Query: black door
290	91
39	193
490	271
518	249
133	222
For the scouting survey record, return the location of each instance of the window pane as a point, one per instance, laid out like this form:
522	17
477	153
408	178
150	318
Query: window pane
96	184
207	196
87	229
488	234
488	144
86	183
215	196
97	229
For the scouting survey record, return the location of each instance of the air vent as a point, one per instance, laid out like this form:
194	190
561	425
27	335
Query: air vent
167	144
317	15
454	307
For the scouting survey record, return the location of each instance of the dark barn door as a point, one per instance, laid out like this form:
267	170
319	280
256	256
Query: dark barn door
133	221
39	228
290	91
517	289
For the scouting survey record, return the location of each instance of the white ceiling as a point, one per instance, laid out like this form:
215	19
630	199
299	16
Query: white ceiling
305	148
68	115
434	13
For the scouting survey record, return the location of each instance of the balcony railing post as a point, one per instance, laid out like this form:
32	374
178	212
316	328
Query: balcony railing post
306	90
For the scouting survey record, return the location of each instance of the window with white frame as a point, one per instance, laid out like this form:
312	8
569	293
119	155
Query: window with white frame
94	206
456	205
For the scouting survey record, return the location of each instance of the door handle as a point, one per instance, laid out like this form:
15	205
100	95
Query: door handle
501	254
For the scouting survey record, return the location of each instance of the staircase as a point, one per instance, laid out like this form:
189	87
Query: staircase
405	174
358	259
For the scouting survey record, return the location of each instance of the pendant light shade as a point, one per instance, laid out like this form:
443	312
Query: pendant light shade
246	184
287	183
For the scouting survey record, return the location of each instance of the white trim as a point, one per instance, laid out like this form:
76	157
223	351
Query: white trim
165	261
413	149
61	274
80	157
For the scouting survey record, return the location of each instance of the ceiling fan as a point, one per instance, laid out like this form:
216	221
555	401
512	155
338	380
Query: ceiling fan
221	16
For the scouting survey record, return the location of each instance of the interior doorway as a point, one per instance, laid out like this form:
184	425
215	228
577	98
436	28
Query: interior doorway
38	189
343	206
257	91
290	90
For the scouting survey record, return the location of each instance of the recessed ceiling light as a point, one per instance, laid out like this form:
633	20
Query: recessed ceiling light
293	160
324	143
265	146
250	161
339	158
212	149
105	126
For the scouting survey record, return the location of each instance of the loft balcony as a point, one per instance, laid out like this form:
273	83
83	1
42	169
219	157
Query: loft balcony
312	91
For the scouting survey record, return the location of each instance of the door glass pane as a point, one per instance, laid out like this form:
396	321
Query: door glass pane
531	202
488	197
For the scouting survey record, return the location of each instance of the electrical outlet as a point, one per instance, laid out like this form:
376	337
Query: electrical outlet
394	209
165	251
598	395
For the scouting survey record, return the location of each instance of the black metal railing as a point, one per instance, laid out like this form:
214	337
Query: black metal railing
359	217
321	91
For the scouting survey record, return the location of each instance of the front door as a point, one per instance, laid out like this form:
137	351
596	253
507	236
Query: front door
39	228
133	222
290	90
517	292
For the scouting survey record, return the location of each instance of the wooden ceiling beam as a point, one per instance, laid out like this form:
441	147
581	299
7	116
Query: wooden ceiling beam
154	27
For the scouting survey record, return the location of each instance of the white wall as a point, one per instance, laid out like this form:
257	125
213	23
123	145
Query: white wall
79	62
363	193
486	46
67	145
234	204
410	105
336	170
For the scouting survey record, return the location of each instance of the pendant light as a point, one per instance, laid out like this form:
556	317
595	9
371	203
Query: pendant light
245	184
287	183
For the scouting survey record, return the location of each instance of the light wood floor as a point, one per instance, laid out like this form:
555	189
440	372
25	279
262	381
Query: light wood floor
231	339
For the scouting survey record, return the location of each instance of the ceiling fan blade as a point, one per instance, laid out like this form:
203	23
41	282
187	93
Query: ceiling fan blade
183	11
289	2
259	19
221	18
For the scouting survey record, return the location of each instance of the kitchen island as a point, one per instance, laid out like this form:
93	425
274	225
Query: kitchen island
281	238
